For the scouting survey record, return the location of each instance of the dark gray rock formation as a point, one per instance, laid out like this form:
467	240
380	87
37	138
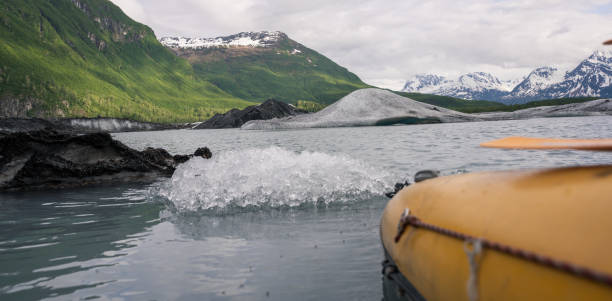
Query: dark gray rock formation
236	118
47	159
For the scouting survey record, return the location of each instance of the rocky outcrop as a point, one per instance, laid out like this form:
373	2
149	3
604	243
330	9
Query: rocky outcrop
236	118
47	159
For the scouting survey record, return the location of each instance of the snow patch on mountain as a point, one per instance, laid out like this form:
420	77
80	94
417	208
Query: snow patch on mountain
423	83
243	39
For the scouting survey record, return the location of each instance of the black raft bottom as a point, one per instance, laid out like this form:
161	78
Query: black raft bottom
395	285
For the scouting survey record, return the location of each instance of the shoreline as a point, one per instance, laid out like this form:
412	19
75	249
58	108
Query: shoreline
85	125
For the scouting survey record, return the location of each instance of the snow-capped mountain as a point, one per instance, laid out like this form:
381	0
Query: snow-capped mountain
256	66
243	39
592	77
476	85
539	79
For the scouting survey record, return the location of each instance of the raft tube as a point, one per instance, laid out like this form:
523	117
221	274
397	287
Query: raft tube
544	235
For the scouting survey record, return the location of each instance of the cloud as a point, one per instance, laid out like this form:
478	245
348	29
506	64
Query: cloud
387	41
132	8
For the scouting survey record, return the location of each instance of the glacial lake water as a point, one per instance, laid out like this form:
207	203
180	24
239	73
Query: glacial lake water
275	215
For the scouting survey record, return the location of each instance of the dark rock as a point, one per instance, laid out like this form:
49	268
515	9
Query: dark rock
203	152
398	187
181	158
46	159
425	175
236	118
159	156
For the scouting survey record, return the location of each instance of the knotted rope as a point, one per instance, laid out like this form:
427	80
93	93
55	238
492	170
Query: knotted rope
580	271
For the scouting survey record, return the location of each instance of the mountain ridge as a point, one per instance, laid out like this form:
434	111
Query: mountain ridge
265	64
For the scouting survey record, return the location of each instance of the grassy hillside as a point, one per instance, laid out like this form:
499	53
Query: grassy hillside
278	72
87	58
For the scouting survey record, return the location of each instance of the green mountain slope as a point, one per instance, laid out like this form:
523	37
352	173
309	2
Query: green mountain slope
283	69
86	58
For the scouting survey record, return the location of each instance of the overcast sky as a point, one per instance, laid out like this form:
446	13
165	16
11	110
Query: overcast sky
387	41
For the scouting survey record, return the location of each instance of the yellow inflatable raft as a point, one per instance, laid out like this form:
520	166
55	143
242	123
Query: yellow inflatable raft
511	235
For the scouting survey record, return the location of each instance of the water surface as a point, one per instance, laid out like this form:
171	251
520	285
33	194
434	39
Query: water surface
273	216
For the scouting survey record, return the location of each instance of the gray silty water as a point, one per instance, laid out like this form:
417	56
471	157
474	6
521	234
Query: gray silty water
307	228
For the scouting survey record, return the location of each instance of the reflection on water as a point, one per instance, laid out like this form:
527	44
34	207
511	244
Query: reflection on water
129	243
49	240
121	246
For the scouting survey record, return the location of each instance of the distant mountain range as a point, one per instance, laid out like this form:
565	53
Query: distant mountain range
592	77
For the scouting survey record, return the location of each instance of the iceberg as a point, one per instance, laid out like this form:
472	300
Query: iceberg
365	107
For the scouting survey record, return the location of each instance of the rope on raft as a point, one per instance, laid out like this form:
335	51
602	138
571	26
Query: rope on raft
567	267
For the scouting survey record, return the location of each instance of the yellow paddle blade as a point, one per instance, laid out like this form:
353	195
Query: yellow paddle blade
547	143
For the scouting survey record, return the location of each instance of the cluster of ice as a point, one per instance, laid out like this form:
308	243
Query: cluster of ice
243	39
365	107
271	177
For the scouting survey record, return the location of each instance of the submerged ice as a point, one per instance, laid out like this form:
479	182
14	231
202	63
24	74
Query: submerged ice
272	177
